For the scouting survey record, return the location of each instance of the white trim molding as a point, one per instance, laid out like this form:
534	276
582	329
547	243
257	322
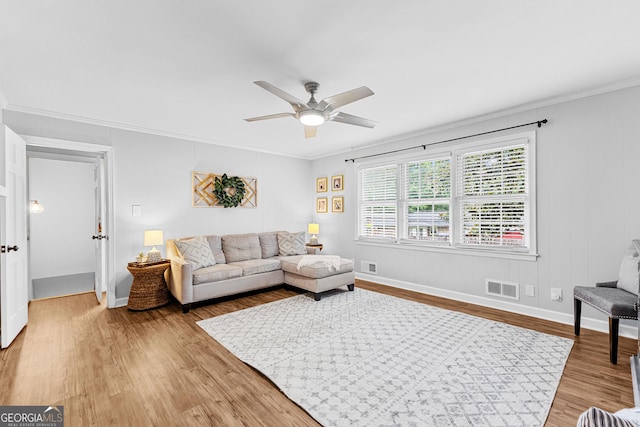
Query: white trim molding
121	302
107	151
540	313
148	131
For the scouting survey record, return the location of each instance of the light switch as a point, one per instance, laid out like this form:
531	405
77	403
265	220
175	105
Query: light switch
136	210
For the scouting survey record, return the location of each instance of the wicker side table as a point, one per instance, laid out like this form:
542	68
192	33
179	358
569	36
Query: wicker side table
148	290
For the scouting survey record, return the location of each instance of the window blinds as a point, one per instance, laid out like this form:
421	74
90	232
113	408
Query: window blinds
378	202
427	189
493	196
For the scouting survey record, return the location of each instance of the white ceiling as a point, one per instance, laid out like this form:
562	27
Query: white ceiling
185	68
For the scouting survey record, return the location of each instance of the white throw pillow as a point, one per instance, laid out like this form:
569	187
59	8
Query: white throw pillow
628	275
196	251
291	244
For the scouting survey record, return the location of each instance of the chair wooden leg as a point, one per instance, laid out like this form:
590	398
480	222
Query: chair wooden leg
577	312
613	340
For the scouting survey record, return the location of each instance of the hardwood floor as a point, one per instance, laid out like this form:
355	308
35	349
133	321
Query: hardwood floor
158	368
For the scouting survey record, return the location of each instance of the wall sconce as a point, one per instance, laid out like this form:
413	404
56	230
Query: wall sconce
313	229
35	207
153	238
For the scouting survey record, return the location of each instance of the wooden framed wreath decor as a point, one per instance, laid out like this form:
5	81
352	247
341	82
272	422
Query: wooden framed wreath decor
222	191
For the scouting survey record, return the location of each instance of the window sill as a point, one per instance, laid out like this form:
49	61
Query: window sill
489	253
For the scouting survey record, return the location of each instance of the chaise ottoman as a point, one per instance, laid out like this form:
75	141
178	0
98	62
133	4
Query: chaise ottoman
317	276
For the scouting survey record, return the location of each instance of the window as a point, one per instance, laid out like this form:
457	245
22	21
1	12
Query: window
427	186
478	196
377	190
492	190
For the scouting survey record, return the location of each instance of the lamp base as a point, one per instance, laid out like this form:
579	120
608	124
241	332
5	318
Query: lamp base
313	240
154	256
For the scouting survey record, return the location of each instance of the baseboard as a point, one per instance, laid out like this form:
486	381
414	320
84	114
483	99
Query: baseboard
540	313
121	302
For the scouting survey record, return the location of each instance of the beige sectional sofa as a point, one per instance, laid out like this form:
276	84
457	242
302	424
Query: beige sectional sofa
208	267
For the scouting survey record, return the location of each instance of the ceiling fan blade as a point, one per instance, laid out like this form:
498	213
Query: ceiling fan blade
352	120
270	116
310	131
337	101
295	102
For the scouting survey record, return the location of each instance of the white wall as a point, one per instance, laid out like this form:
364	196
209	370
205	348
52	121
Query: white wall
587	198
60	237
588	206
155	172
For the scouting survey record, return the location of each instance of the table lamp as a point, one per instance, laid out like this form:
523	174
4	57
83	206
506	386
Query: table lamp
153	238
313	229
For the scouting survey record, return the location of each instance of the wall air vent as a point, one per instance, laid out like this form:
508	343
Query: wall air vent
502	289
369	267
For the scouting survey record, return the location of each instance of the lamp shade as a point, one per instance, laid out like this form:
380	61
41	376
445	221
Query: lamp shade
35	207
153	237
313	229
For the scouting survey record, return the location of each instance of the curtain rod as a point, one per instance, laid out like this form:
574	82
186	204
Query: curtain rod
424	146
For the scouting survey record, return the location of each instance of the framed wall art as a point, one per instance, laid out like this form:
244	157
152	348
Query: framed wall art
203	184
337	204
337	183
321	185
321	205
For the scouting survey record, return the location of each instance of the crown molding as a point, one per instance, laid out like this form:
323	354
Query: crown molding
555	100
149	131
623	84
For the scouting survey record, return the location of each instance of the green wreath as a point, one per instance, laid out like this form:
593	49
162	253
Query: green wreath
221	187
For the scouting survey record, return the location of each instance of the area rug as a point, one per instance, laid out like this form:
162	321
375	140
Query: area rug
367	359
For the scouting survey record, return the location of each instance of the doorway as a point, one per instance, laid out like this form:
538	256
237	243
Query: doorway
61	222
80	164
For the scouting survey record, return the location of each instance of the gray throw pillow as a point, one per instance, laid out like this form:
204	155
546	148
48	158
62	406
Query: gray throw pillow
196	251
628	275
268	244
291	244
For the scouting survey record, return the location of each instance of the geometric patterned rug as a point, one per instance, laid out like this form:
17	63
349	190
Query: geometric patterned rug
363	358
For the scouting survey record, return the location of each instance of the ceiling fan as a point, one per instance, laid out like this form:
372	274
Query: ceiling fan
312	113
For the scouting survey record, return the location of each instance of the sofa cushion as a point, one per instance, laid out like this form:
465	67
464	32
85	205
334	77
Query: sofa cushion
216	247
291	244
256	266
315	271
216	273
196	251
268	244
241	247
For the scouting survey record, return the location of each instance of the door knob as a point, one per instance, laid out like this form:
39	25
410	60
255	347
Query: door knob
12	248
100	237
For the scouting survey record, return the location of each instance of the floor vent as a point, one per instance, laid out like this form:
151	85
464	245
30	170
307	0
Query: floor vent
502	289
369	267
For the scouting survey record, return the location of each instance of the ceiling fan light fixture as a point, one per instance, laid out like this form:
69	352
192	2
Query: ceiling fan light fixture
312	118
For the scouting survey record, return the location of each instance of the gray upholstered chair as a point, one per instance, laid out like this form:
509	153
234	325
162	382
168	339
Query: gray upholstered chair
618	300
611	300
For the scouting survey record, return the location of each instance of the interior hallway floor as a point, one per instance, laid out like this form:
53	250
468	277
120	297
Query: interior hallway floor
63	285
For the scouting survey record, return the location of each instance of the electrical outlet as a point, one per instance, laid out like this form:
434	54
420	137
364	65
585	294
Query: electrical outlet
530	291
556	294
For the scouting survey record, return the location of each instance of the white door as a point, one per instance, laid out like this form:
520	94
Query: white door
14	294
100	236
